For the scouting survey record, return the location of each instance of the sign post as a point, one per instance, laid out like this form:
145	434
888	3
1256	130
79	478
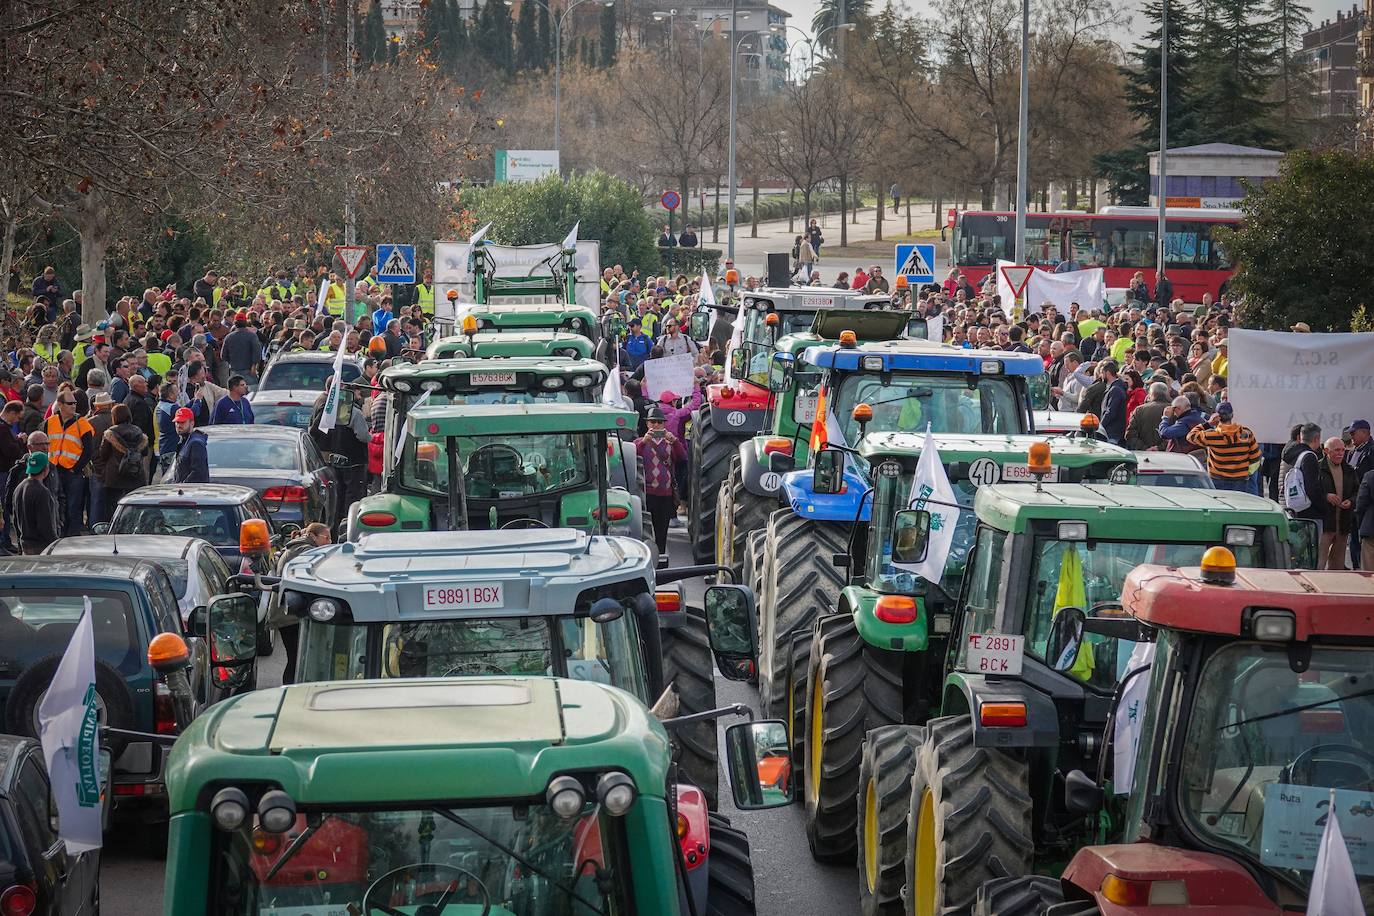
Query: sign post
352	258
1017	277
670	200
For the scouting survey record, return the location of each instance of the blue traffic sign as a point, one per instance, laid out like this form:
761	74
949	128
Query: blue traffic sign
917	262
396	263
671	200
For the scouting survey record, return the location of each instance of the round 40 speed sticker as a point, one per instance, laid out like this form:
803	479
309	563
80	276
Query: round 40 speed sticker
984	472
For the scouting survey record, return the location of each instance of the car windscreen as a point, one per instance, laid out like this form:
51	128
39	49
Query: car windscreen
254	454
1172	479
309	376
217	524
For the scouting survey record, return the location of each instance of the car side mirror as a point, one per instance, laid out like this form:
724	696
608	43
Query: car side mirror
828	476
1066	638
233	625
100	528
911	536
732	629
758	759
1081	794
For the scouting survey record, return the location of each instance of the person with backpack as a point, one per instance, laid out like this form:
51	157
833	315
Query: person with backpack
120	459
1232	451
1302	483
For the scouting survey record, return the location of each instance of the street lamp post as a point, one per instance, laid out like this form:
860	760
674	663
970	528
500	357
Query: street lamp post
558	19
1023	136
1163	136
811	41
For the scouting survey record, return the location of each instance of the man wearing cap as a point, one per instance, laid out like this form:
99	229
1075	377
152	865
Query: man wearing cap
193	460
35	508
1232	450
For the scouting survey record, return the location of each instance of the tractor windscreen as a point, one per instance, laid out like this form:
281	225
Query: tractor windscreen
891	495
505	859
1267	745
1088	575
908	401
502	467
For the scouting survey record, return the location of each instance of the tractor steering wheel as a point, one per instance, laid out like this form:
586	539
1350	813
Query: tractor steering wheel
425	909
1292	773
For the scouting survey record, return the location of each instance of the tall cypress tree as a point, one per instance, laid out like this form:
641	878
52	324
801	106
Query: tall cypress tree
526	38
545	38
374	50
609	36
1295	81
503	34
1235	72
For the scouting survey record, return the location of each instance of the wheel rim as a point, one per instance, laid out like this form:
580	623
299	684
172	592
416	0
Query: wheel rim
924	891
871	835
813	763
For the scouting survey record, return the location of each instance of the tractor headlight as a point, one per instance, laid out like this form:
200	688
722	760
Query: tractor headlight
582	381
616	792
1240	536
229	808
276	811
551	384
432	385
402	386
565	796
323	610
1273	625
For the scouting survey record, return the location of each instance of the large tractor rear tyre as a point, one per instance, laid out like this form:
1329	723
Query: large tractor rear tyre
689	666
751	568
1029	895
969	820
707	466
800	584
850	689
730	879
738	514
884	798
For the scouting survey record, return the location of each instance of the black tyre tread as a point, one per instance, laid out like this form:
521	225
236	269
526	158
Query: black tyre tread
800	583
1028	895
858	694
799	657
982	817
888	757
751	572
730	874
29	688
690	667
707	466
749	513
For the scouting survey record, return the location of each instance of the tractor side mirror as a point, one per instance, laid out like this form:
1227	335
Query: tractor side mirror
233	630
699	325
911	536
779	372
1066	638
828	477
759	764
739	362
1302	541
1081	794
733	630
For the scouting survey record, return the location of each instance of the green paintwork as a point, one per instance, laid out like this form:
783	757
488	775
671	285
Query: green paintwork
553	316
490	344
518	420
406	508
1122	512
1064	451
897	637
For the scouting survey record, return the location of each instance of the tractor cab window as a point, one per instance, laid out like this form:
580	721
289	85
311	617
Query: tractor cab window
501	467
1089	575
497	396
891	495
1266	745
911	400
981	585
522	858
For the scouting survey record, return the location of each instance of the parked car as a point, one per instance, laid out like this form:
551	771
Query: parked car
132	603
304	371
37	875
214	512
1171	469
197	570
283	465
283	407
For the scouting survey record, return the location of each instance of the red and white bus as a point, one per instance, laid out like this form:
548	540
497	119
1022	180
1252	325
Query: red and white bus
1121	240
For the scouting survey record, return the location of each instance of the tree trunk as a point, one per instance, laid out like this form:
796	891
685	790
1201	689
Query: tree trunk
939	208
986	198
854	209
806	208
908	215
791	210
1092	195
754	216
91	221
844	200
878	221
1073	194
7	254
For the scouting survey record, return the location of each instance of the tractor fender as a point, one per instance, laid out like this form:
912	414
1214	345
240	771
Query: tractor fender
738	415
646	617
971	691
757	477
1211	880
797	492
411	512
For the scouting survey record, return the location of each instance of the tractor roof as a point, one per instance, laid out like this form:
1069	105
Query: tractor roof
923	355
810	298
1327	603
518	419
459	371
869	324
961	449
384	576
435	739
527	314
1127	512
486	344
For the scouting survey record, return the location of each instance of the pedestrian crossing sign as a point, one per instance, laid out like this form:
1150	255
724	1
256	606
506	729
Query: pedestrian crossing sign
395	263
916	263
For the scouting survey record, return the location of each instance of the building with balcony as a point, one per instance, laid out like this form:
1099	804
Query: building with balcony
1332	49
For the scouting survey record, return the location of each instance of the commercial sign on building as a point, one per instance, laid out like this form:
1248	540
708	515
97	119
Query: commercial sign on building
525	164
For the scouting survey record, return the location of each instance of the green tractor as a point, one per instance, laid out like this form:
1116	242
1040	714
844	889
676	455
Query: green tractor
751	487
736	409
517	465
486	345
487	796
558	602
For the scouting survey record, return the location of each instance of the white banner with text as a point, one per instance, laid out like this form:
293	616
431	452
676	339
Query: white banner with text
1277	379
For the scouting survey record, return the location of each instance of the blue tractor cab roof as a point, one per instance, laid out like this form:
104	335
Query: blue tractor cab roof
918	355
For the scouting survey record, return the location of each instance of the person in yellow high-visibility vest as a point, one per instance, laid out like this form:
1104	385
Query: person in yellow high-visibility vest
335	296
424	294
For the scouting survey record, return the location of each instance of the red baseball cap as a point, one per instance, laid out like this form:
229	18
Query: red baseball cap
183	415
240	316
166	334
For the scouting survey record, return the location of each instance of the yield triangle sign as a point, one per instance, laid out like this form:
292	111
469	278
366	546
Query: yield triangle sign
351	257
1017	277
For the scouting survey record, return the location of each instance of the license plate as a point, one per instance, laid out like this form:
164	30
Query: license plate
1020	473
493	378
463	597
804	408
995	653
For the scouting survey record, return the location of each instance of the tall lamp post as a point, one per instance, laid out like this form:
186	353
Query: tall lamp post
558	19
1023	136
1163	136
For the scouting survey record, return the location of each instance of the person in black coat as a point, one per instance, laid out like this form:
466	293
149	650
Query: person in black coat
1113	402
36	512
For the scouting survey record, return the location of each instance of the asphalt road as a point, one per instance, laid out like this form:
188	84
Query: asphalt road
787	881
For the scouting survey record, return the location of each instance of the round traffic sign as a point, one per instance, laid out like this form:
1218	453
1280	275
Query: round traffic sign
671	200
984	472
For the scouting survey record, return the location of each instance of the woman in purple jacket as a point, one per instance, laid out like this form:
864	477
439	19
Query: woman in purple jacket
661	451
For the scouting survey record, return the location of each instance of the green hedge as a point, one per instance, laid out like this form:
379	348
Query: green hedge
691	261
771	208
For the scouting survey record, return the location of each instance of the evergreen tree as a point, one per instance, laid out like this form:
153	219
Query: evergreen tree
1234	74
1291	19
545	38
429	29
373	47
455	41
503	35
609	36
526	38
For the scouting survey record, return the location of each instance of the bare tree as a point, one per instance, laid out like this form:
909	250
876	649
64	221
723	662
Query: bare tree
785	136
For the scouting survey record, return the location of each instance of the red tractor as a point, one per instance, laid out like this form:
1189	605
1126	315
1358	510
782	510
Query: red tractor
1246	724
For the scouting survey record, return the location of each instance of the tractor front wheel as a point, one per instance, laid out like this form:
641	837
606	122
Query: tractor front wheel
707	465
689	666
884	797
969	820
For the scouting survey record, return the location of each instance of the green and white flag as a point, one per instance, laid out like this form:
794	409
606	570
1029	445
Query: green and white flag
330	415
69	728
931	490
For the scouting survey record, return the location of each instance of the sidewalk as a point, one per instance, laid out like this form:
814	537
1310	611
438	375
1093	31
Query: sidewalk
861	250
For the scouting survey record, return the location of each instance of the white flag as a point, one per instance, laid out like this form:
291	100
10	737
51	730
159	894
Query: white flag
182	397
1335	892
331	403
405	427
571	240
935	328
324	294
1130	711
479	235
611	393
932	483
707	295
69	728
